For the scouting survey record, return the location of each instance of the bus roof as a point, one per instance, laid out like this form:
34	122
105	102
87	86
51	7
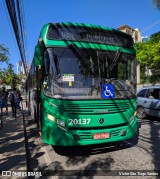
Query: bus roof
57	34
84	25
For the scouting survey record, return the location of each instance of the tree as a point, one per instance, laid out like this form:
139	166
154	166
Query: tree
148	55
7	75
156	4
4	53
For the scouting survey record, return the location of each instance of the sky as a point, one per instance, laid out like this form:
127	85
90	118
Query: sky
111	13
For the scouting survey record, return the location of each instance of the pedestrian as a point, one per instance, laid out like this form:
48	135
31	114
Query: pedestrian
1	100
13	97
4	100
19	99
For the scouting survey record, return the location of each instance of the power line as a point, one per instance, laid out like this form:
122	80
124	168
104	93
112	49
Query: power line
150	26
13	36
24	32
17	19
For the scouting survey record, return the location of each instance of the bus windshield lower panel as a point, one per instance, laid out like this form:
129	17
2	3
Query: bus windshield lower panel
83	75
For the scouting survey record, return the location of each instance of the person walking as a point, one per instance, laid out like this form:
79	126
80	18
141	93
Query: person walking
13	97
1	101
19	99
4	100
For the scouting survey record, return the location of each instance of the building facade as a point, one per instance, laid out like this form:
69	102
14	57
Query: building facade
145	39
135	33
20	68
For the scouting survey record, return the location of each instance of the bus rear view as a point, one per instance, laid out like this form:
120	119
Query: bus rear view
86	83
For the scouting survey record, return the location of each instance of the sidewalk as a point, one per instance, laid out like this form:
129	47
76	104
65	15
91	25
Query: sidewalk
12	143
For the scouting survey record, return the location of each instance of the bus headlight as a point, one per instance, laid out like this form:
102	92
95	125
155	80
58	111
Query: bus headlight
50	117
135	113
132	117
61	124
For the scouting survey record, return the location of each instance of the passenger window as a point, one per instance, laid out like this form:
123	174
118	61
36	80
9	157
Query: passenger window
147	93
155	93
46	63
142	93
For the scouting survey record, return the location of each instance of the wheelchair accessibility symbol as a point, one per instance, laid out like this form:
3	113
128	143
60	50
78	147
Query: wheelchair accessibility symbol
107	91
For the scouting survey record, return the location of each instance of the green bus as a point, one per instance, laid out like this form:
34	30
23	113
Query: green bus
81	85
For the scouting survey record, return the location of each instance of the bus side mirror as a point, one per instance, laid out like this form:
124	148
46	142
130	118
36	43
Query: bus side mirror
37	56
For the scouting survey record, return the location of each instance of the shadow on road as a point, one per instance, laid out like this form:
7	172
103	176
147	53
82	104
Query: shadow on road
12	151
99	167
151	137
91	149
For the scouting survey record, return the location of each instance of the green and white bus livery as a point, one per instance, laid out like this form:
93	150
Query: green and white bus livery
82	84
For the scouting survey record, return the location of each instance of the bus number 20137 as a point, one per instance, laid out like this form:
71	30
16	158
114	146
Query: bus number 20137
79	121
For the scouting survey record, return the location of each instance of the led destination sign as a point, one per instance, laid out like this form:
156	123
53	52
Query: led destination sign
92	35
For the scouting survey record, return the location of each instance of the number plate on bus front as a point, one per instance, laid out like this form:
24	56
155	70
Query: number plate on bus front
105	135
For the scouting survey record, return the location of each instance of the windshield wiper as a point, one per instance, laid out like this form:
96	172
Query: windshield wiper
115	59
78	53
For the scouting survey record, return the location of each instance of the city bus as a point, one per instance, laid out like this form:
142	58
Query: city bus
81	86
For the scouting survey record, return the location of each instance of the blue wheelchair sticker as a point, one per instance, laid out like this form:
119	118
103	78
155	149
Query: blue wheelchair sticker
107	91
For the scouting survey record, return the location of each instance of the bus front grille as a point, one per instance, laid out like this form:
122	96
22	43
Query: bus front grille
85	135
99	108
115	133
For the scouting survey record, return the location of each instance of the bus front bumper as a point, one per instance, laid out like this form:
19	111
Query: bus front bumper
54	135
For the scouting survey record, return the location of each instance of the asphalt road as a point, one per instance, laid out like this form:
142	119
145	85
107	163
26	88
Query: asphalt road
132	159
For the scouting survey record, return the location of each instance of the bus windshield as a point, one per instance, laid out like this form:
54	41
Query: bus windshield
81	75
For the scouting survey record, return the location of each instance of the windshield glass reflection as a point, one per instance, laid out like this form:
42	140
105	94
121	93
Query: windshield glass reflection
74	76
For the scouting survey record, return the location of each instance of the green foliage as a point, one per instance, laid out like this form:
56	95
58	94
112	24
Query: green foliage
4	53
7	75
148	55
156	3
155	37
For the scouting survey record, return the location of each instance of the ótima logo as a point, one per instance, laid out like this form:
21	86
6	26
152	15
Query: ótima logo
107	91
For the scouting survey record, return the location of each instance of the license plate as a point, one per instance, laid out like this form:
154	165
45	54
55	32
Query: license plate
105	135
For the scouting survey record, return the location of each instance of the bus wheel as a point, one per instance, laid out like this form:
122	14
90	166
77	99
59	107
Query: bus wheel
141	113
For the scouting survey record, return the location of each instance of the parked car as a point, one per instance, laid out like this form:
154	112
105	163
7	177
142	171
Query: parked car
148	99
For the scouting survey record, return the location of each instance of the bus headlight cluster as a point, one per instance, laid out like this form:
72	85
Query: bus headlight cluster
50	117
135	113
132	117
61	124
